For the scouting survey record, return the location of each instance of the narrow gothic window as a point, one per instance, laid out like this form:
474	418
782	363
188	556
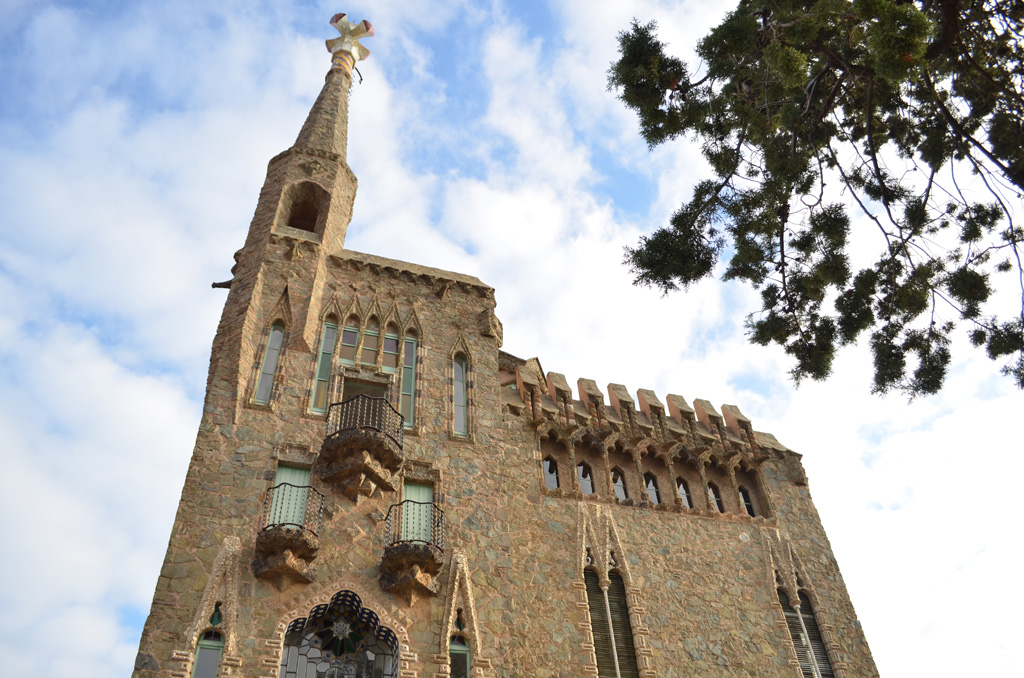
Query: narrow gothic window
349	340
652	488
390	363
460	424
599	626
371	343
621	627
748	502
586	478
684	492
458	650
323	367
550	473
266	382
208	651
619	484
409	381
807	640
613	636
716	497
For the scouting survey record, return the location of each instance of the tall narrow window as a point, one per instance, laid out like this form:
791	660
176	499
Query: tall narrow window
586	478
266	383
288	498
550	473
390	363
715	498
349	341
459	409
621	627
807	641
748	501
600	626
208	651
652	488
619	484
409	382
458	650
323	367
371	343
684	492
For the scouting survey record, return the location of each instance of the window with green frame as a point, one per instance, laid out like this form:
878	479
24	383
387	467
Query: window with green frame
349	342
371	343
458	651
323	367
265	385
208	651
390	350
460	423
408	400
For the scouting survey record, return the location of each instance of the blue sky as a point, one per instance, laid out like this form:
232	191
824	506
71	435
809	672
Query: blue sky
133	142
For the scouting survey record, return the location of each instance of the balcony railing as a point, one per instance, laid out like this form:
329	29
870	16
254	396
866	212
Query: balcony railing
366	413
295	506
414	522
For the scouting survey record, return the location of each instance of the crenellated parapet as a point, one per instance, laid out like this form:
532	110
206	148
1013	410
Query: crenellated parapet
636	451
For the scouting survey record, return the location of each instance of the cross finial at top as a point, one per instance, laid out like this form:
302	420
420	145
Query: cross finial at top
347	50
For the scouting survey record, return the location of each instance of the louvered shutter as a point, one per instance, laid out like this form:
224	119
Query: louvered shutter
814	636
599	626
800	643
622	628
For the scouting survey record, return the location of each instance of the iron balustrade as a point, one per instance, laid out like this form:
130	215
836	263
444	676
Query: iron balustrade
366	412
296	506
415	522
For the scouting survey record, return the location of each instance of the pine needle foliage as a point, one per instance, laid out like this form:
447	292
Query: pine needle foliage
911	112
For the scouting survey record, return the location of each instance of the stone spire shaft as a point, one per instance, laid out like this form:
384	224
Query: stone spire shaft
326	126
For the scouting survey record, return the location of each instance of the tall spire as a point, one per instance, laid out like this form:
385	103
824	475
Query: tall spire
326	126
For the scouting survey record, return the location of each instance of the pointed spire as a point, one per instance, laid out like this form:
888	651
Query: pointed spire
326	126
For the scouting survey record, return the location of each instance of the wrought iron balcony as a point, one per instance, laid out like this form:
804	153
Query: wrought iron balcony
413	549
362	449
287	538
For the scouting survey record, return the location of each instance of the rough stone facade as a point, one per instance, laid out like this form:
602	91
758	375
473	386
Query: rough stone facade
508	576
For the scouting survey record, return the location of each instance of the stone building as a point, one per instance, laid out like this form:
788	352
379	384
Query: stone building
378	490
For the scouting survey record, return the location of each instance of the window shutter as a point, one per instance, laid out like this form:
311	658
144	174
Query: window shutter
623	629
800	644
814	636
599	626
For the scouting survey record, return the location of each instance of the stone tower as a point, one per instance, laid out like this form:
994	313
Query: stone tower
378	490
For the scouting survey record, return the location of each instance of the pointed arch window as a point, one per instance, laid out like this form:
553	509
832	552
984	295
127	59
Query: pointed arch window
715	497
619	484
586	478
684	492
460	423
651	483
807	640
208	652
550	473
265	385
323	367
748	501
408	401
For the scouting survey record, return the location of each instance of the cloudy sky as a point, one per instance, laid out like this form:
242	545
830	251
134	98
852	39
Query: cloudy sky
133	142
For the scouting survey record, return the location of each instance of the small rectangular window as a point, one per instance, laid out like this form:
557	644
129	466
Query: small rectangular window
460	424
349	339
390	353
371	342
